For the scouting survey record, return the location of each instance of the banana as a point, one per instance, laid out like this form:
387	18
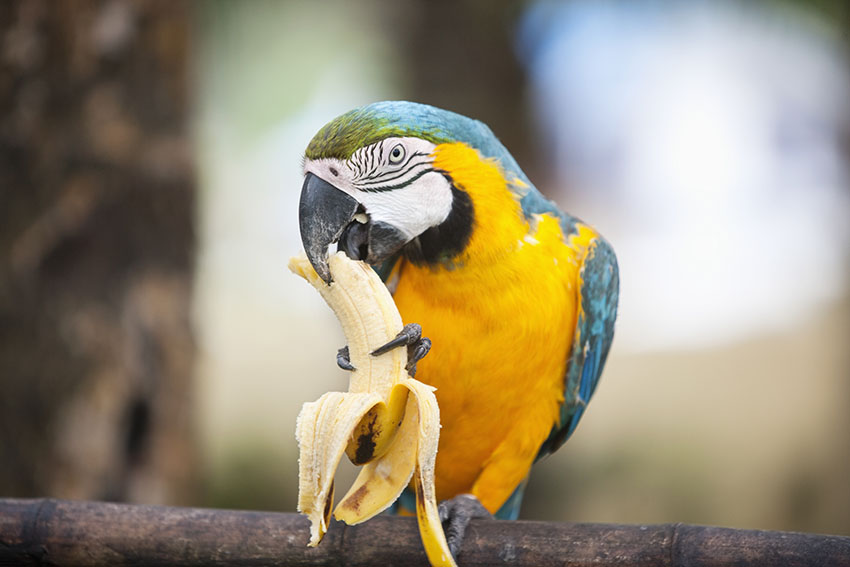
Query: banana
387	421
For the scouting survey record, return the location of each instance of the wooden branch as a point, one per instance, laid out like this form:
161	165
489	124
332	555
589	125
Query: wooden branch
65	533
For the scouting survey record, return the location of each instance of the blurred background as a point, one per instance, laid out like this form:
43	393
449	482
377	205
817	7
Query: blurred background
155	349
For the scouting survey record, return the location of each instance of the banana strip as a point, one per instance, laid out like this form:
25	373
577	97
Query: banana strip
387	421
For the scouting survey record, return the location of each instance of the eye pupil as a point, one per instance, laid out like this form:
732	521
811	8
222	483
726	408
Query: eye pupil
397	154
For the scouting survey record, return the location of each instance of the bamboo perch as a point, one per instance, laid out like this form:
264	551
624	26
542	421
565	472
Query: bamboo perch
66	533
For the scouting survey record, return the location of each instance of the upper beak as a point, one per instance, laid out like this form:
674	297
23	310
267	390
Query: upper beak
323	214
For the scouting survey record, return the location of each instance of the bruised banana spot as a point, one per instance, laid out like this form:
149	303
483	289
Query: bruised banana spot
356	499
420	499
329	503
366	442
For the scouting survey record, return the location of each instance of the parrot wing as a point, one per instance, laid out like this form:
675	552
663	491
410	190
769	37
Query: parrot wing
598	293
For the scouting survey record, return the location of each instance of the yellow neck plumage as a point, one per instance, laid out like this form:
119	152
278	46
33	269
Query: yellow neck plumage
487	187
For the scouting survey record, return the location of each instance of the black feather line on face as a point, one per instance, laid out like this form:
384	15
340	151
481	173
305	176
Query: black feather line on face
381	188
397	171
374	161
440	244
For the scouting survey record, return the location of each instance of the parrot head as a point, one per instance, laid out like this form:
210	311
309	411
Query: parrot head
371	185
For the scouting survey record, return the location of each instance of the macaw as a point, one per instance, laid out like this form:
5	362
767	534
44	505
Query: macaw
517	297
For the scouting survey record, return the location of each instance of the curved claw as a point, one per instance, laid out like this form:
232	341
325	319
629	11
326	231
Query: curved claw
343	359
417	346
456	514
407	336
415	353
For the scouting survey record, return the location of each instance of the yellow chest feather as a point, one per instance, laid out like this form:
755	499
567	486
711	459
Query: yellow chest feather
501	323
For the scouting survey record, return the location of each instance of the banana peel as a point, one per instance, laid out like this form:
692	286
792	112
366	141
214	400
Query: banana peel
387	422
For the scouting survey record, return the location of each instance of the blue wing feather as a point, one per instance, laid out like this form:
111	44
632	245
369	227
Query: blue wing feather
593	335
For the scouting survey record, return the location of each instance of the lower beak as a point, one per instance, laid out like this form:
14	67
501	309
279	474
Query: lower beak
323	214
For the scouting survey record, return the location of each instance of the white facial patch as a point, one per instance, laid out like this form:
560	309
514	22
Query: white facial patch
395	182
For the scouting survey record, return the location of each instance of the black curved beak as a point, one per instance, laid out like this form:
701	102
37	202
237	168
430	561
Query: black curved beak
323	214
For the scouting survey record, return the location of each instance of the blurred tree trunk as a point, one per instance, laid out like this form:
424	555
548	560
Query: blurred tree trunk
96	250
462	57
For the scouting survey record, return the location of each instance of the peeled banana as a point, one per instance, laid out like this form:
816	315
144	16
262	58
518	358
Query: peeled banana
387	421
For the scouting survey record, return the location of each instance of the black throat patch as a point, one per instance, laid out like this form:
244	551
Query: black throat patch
440	244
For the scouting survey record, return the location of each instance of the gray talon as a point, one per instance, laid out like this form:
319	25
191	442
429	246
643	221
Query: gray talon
456	514
343	359
415	353
407	336
417	346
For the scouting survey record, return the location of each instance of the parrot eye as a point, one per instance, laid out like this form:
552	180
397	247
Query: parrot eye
397	154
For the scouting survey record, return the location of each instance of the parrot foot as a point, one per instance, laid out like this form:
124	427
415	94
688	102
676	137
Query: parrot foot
456	514
411	337
343	359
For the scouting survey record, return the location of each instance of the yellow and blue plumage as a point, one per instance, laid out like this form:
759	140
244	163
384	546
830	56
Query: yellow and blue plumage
518	298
